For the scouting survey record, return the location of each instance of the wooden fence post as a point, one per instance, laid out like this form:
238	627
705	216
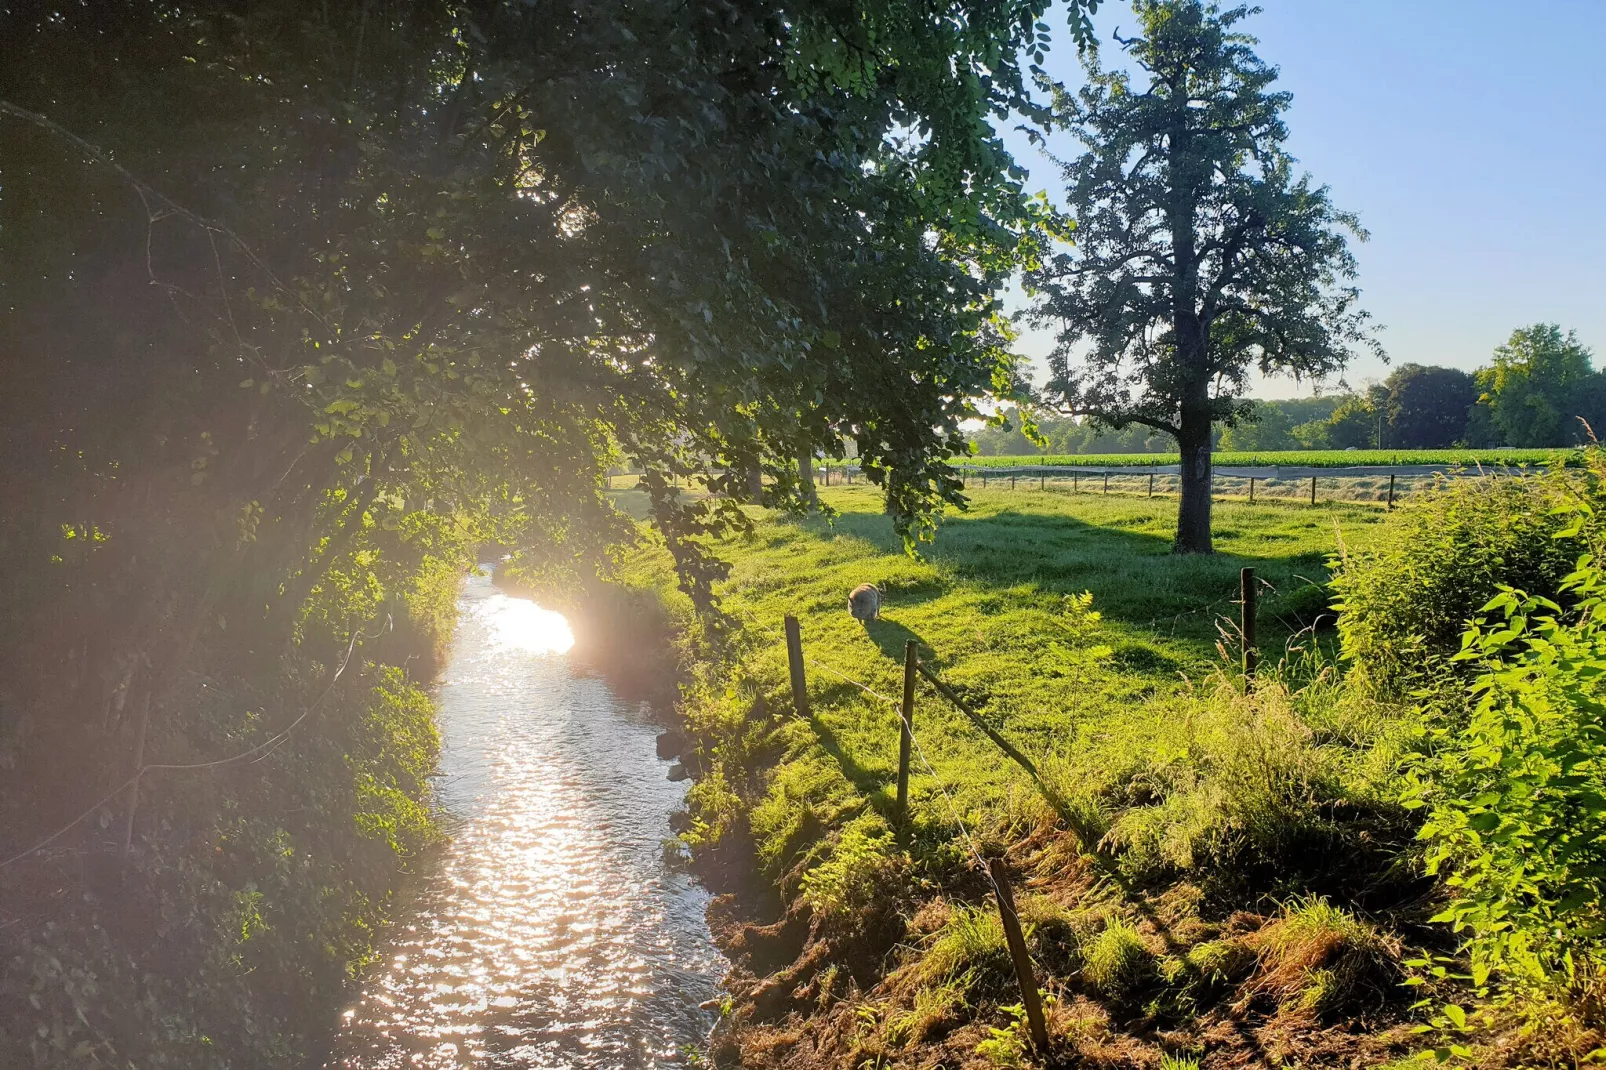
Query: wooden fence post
1246	621
1151	484
794	658
1391	490
1042	479
1011	479
1017	951
984	478
911	661
1106	482
1313	490
1251	490
1076	482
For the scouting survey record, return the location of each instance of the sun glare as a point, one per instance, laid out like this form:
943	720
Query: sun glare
519	624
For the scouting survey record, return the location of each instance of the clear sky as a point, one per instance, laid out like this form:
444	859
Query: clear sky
1470	137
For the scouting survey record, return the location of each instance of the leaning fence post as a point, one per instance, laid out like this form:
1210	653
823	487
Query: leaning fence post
794	658
911	662
1246	625
1017	951
1391	490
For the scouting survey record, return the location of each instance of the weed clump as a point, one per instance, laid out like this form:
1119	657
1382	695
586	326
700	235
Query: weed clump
1117	962
969	949
1317	958
862	862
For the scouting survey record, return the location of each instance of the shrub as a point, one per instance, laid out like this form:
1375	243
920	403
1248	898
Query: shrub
1404	601
1517	793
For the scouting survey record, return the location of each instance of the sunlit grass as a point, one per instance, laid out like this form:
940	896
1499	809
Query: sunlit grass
995	607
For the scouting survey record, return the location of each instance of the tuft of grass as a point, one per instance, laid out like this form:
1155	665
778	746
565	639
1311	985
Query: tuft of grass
1317	958
969	949
1178	1062
1117	962
934	1006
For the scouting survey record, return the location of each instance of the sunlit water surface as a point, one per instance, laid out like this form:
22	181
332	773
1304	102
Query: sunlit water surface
549	933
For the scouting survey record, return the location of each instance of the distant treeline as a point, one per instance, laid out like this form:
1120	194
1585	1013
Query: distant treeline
1539	391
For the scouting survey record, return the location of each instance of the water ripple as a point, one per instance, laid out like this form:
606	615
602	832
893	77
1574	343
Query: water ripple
549	932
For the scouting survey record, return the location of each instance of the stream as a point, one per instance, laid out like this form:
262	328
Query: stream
549	931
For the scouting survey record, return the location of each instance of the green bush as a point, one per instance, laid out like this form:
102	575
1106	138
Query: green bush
1516	794
1404	600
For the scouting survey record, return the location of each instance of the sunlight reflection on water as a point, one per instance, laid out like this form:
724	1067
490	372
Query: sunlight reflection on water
549	932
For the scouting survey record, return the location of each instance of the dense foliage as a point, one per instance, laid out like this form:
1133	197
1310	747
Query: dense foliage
1404	602
1200	253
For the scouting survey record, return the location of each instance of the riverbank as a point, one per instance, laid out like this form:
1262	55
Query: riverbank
1212	890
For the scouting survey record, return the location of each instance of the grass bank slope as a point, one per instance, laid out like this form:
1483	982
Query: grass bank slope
1201	890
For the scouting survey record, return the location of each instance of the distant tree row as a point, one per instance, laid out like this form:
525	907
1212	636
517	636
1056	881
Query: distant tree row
1540	390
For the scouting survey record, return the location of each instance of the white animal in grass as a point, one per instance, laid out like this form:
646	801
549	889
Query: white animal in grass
864	602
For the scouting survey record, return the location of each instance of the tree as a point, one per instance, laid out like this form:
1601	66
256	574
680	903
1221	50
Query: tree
1427	407
1199	253
1533	394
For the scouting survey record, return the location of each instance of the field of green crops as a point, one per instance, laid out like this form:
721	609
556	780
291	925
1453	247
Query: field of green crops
1308	458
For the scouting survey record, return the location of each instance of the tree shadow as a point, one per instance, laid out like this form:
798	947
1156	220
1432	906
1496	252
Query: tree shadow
1132	574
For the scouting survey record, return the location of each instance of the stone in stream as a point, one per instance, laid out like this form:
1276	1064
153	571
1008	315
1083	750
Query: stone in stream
671	744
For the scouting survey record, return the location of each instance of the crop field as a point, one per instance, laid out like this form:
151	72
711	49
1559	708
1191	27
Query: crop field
1303	458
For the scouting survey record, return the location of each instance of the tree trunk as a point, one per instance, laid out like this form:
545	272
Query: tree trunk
805	476
1193	513
755	482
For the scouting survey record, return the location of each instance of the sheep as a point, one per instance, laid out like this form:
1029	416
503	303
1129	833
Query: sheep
864	602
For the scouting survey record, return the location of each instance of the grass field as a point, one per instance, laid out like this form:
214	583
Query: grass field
993	607
1303	458
1066	622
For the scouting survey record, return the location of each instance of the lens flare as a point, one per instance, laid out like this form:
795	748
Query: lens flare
519	624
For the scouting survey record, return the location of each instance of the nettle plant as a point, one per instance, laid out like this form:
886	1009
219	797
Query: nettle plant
1516	794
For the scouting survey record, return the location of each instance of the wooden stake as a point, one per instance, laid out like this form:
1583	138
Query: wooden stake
1313	490
1247	596
1042	479
1012	479
1151	484
911	661
1017	951
1106	482
1391	490
794	658
1251	490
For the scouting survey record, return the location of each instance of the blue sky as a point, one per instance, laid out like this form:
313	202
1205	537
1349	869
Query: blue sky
1470	137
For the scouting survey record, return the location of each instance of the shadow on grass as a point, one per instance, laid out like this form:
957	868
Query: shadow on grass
1131	572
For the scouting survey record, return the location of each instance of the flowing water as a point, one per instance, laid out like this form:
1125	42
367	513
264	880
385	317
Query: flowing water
550	932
